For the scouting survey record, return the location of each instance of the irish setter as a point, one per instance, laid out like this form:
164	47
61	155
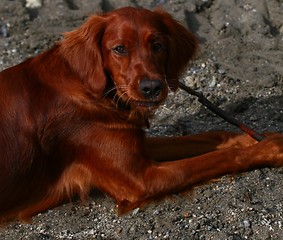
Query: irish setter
72	118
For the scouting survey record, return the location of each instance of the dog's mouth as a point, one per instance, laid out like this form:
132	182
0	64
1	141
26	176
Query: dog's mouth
147	104
124	99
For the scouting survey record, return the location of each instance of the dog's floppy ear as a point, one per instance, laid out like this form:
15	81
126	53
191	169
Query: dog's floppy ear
81	48
182	48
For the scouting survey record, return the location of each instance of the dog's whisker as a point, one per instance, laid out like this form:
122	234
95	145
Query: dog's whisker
109	91
120	97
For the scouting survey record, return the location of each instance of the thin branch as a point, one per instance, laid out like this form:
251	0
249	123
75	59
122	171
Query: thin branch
221	113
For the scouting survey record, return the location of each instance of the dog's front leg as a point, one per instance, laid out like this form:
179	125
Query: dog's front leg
159	179
174	148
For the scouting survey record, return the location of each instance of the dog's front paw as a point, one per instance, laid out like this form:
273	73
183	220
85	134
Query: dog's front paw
268	152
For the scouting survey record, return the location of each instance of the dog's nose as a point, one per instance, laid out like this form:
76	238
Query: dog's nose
150	88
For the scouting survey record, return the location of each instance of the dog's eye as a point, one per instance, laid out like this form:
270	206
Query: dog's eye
157	47
120	49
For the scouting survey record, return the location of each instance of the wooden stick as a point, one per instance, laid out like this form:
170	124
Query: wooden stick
221	113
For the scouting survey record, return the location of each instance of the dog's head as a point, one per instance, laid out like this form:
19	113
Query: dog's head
141	53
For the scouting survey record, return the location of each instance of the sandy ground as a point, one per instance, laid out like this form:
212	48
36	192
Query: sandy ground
240	68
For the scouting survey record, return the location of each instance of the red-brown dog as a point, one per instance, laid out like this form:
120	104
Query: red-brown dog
72	118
